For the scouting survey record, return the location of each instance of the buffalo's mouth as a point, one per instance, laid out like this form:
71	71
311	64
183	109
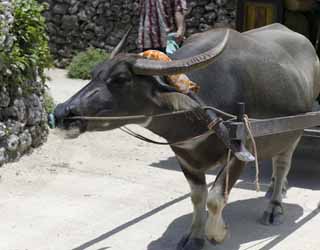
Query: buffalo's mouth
72	127
74	124
65	120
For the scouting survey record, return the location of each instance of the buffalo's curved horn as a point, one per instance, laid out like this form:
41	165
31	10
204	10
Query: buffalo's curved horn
121	44
151	67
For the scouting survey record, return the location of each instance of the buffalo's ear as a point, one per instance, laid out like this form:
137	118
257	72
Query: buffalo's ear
97	68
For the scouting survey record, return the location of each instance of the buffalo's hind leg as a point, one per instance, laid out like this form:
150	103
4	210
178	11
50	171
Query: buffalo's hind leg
281	163
195	239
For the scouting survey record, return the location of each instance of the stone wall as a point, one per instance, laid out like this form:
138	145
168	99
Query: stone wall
22	117
23	124
74	25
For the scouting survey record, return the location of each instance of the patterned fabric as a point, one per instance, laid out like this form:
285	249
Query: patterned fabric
181	82
157	18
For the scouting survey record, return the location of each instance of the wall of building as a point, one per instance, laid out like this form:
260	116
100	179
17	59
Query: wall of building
74	25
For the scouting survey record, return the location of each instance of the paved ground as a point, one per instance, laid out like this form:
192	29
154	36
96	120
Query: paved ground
109	191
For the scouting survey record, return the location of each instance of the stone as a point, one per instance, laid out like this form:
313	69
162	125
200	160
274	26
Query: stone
222	2
34	109
90	27
4	98
197	12
3	156
69	22
82	15
61	40
116	9
222	24
3	130
60	8
12	143
191	23
192	4
108	13
210	18
202	2
52	29
204	27
74	9
25	141
95	3
210	7
36	135
17	111
73	2
222	14
88	35
56	19
13	127
231	5
66	52
6	21
99	31
126	19
91	12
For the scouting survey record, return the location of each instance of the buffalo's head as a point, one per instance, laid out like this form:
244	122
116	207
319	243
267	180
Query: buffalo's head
127	85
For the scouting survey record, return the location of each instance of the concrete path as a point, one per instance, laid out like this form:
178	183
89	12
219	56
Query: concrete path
110	191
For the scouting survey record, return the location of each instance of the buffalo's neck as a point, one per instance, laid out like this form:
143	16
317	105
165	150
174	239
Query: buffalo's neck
201	152
178	127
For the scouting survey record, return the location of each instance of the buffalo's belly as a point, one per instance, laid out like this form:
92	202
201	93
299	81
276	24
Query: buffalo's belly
201	156
269	146
212	152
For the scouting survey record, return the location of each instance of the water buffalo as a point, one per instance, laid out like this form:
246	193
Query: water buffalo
274	70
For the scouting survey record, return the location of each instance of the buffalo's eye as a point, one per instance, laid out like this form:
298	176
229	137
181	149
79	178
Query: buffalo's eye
118	82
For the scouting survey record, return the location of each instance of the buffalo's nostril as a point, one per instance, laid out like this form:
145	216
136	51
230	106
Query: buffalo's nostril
60	112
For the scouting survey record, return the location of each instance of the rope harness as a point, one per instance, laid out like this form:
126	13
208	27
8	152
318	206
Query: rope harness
211	126
183	84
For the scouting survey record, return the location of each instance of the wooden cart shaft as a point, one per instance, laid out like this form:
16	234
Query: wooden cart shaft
274	126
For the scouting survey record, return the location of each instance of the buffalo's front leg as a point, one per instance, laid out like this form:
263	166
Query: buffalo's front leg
195	239
216	229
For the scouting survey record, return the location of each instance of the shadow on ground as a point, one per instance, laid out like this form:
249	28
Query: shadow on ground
242	218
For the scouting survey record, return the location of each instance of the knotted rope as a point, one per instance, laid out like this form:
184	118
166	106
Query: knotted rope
254	145
226	190
255	151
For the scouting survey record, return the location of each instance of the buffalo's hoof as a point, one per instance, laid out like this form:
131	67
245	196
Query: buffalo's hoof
188	243
274	215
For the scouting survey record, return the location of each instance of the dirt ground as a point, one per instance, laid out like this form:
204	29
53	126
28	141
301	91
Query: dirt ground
110	191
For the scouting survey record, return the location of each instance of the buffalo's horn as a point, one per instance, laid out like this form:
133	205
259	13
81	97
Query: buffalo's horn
121	44
151	67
